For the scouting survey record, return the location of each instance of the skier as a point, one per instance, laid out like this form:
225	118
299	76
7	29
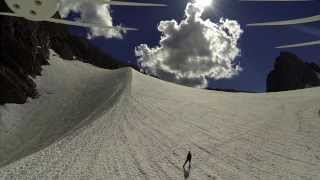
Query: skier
189	156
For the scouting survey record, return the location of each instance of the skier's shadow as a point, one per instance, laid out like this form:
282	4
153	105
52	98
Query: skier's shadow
186	172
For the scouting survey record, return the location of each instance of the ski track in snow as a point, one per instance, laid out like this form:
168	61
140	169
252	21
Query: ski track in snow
91	123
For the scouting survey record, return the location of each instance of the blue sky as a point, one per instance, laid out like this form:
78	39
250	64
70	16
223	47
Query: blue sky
256	43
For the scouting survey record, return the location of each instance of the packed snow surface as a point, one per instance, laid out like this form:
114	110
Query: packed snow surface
91	123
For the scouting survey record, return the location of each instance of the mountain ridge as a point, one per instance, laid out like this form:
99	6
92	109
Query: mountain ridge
25	49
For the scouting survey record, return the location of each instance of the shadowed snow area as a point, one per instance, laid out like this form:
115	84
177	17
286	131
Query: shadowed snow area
91	123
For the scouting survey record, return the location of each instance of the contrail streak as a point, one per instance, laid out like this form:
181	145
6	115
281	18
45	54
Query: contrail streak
289	22
311	43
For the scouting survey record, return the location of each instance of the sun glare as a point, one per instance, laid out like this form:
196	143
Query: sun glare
204	3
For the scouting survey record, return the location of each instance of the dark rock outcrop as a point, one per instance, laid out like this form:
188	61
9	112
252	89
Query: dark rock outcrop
24	48
291	73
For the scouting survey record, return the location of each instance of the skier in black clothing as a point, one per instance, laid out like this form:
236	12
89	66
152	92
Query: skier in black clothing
189	157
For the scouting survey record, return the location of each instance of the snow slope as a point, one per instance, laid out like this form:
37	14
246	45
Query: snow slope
97	124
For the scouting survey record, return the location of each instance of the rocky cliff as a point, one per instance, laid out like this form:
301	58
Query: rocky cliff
291	73
24	48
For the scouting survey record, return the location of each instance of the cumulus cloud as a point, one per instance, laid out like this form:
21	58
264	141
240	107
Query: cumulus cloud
91	11
194	50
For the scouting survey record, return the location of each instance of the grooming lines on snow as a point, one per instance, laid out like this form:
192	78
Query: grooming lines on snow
44	10
121	124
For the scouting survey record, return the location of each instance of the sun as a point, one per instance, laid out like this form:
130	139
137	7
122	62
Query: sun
203	3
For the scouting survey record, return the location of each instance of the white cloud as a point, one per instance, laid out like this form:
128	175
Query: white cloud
91	11
193	50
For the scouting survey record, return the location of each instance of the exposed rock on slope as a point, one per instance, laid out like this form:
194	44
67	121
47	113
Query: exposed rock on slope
24	48
291	73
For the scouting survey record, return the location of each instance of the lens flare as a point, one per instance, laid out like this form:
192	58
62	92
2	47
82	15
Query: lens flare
203	3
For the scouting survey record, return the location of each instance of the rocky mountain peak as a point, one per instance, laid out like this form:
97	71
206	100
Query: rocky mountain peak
291	73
